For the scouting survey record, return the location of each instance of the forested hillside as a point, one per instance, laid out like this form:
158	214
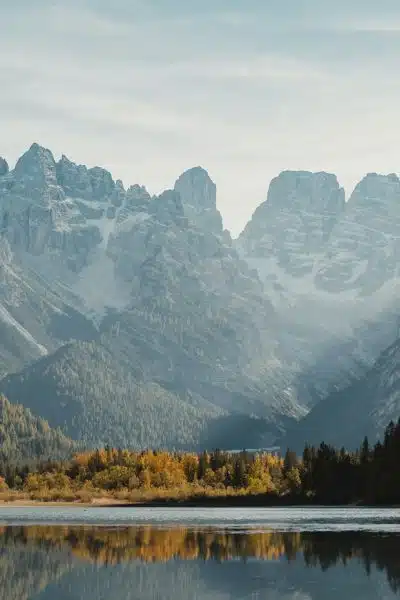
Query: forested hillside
363	407
24	437
98	401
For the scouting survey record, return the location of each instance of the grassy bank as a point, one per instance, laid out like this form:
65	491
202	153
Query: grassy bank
190	496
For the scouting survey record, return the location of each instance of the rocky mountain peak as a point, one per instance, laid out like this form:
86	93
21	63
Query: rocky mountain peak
288	231
362	254
199	198
305	189
168	206
118	196
35	176
137	197
376	189
37	158
3	167
197	189
102	183
89	184
74	179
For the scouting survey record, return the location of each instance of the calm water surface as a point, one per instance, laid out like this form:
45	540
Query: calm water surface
70	553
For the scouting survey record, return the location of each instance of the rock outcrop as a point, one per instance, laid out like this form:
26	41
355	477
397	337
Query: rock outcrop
363	250
305	235
199	198
3	167
288	231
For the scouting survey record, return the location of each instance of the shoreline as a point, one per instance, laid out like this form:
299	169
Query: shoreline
195	501
100	502
231	502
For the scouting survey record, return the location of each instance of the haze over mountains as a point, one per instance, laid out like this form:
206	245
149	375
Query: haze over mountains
137	320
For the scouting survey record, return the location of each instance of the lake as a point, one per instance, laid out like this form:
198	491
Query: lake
74	553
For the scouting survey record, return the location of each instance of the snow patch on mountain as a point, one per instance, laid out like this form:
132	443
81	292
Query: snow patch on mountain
98	288
131	221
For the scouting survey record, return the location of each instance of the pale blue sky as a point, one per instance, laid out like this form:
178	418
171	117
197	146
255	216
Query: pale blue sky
245	88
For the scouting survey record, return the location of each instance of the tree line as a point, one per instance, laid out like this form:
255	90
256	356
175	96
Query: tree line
323	475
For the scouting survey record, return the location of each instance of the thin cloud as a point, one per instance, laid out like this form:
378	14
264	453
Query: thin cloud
148	89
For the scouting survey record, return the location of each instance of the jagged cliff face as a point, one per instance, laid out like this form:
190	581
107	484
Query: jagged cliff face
199	195
188	291
363	249
153	285
290	229
66	214
61	212
306	240
330	269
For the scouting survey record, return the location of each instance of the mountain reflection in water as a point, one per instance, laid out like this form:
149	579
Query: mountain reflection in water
42	562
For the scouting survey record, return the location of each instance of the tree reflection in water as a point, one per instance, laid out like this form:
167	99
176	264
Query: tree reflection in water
38	555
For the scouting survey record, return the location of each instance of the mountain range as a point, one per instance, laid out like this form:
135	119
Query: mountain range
137	320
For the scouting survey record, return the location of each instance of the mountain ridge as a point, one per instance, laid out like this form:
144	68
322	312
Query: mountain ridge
155	287
153	280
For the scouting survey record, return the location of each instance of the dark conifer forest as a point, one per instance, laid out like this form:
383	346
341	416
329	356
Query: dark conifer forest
39	463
